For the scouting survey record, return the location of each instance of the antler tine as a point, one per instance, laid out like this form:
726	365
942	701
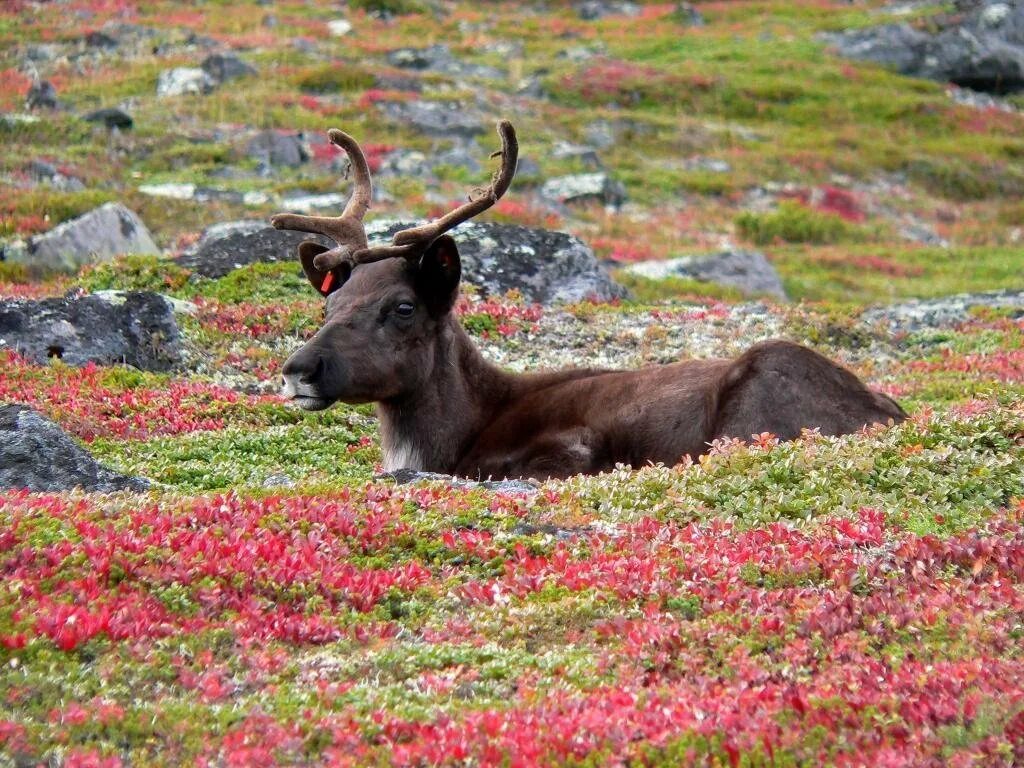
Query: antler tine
346	230
411	242
362	195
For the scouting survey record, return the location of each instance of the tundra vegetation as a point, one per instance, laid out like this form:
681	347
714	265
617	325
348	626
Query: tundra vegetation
841	601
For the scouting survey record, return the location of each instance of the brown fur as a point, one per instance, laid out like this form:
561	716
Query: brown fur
443	408
390	337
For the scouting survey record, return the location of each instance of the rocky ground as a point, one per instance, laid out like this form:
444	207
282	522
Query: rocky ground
195	573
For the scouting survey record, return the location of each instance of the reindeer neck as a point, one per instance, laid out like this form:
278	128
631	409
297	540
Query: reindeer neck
431	428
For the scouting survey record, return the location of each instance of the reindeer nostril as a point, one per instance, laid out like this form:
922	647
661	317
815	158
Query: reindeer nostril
306	368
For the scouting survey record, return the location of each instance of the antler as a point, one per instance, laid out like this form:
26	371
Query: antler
346	230
410	243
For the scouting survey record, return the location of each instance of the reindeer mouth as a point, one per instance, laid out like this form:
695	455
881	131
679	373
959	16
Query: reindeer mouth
311	403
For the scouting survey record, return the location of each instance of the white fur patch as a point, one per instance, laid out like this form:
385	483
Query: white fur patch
403	455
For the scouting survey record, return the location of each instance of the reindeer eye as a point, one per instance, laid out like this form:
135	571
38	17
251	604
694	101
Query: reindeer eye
405	309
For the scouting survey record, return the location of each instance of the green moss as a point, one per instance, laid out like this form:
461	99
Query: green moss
337	77
134	273
794	223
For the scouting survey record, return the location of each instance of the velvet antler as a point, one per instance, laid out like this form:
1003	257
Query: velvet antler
411	243
346	230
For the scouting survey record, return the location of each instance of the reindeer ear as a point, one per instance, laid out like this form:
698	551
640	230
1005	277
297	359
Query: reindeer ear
440	270
325	281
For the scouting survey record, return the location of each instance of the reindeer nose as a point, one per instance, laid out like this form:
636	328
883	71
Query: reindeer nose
302	370
306	368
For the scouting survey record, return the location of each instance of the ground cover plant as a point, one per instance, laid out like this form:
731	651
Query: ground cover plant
272	600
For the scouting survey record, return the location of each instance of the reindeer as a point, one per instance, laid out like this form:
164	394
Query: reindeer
390	337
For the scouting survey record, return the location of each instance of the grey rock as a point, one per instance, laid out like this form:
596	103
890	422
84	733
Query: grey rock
591	10
460	155
305	202
278	149
111	117
546	267
226	66
41	95
435	118
408	476
898	46
135	328
183	80
944	312
981	48
37	455
404	163
584	188
600	134
99	235
278	480
527	169
42	51
749	271
709	164
100	39
919	232
233	244
439	58
45	173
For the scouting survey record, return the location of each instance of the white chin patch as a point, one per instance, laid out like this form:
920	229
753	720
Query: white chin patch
307	403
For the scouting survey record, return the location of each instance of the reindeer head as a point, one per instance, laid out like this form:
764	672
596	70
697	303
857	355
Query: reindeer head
387	306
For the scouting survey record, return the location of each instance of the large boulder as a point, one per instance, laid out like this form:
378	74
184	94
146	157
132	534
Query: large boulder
110	117
980	48
233	244
749	271
544	266
37	455
99	235
136	328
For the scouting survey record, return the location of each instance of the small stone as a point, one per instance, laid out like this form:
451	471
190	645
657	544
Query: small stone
339	27
592	10
226	66
585	187
169	190
182	81
278	149
435	117
100	39
111	117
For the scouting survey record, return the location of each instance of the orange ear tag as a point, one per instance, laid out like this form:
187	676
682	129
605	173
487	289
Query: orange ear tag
327	283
